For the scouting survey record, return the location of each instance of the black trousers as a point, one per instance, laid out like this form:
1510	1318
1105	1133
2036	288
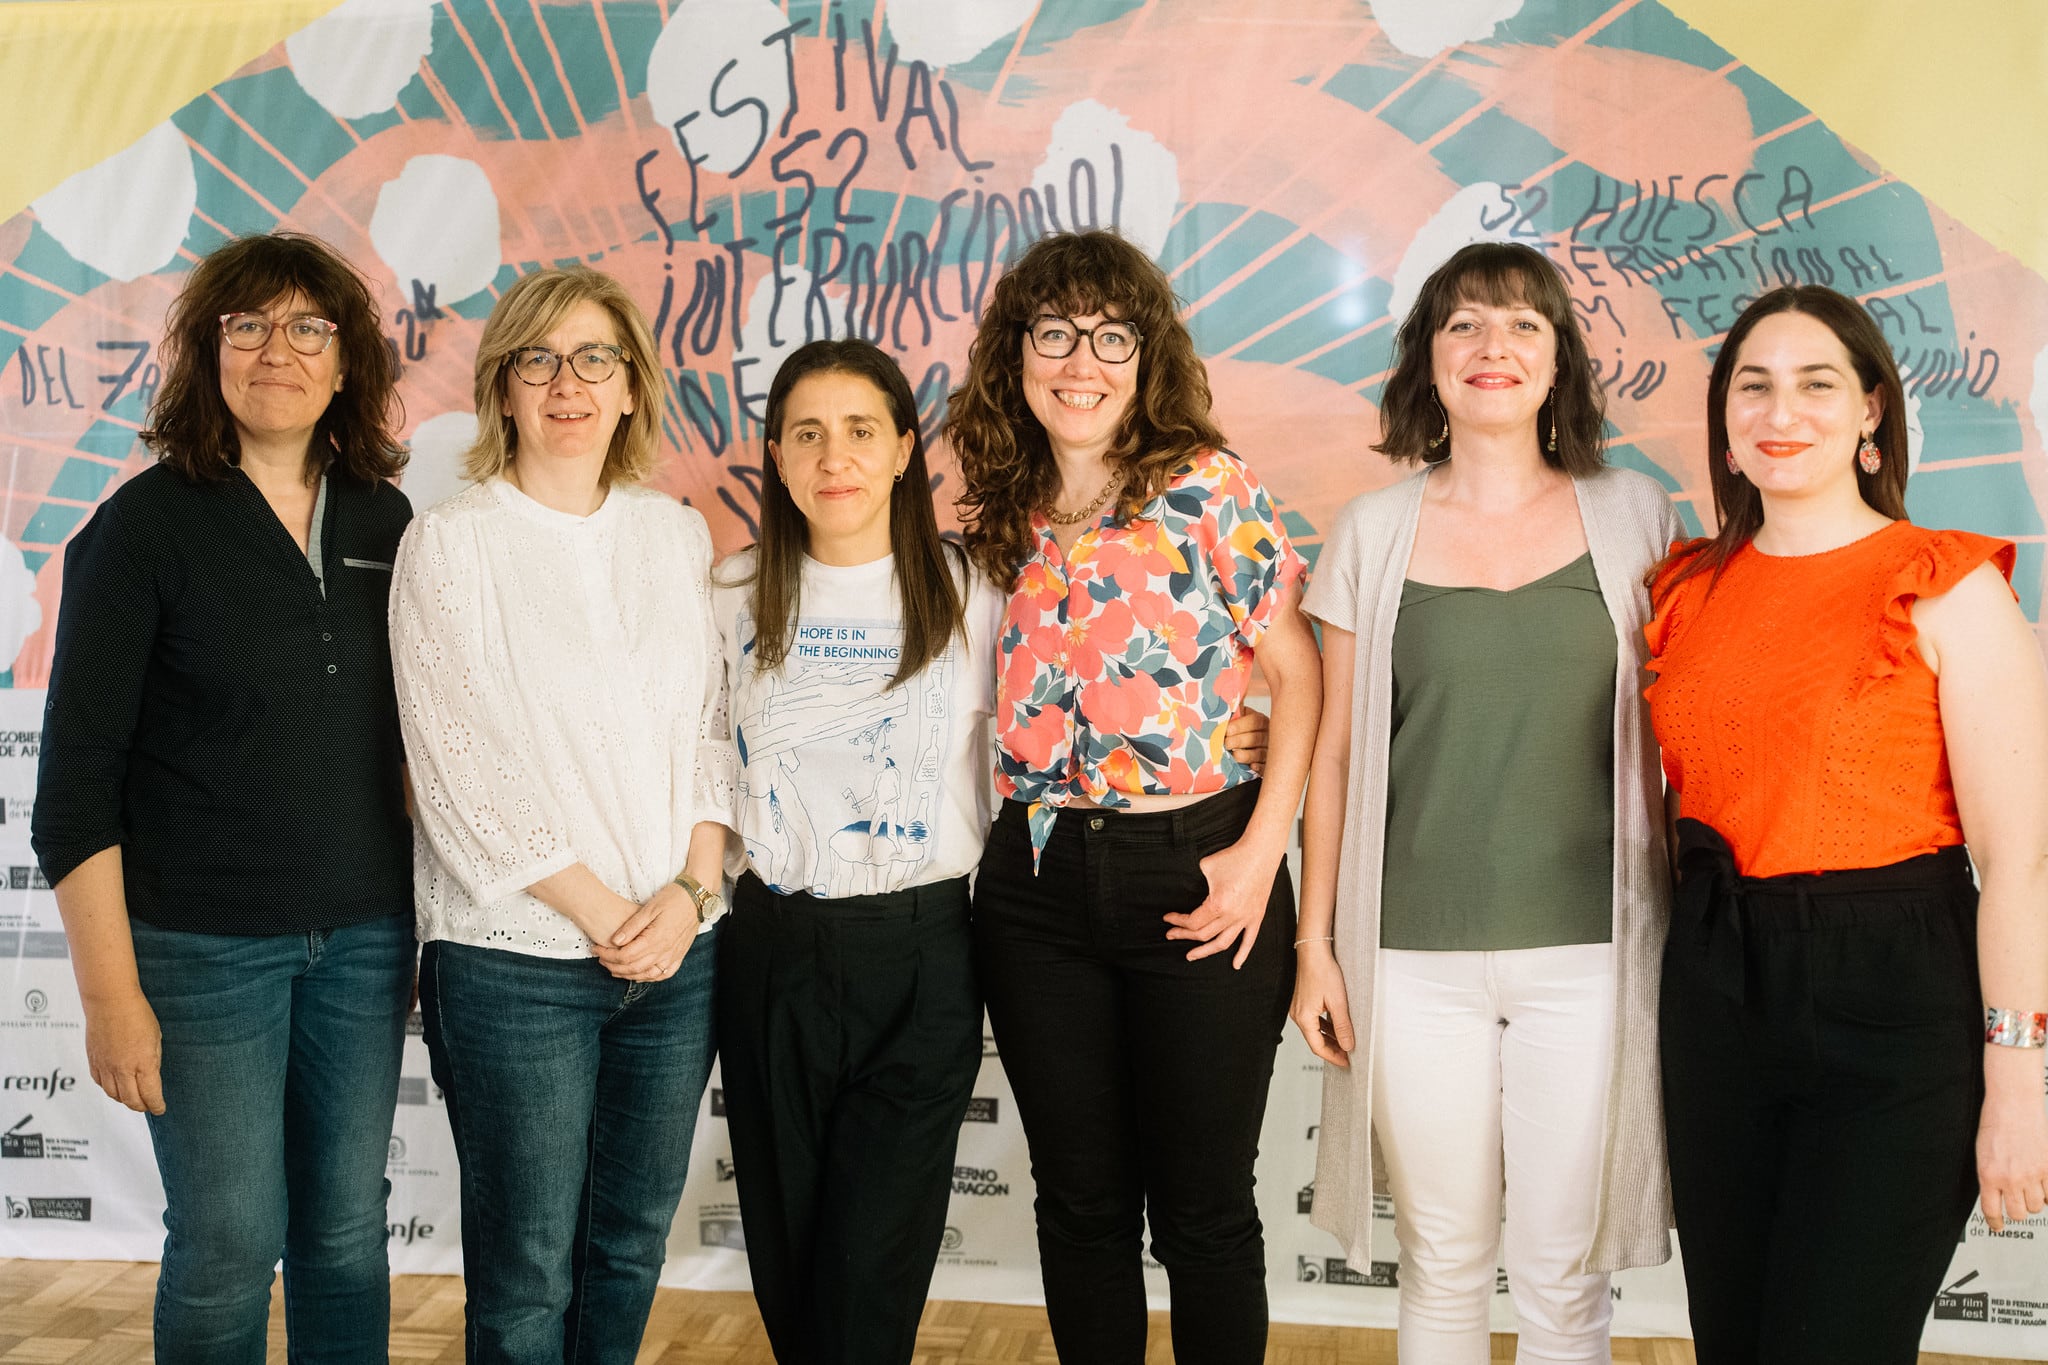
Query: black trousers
849	1038
1822	1041
1140	1077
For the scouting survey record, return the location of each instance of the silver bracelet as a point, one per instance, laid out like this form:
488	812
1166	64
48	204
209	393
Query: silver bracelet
1318	938
2011	1028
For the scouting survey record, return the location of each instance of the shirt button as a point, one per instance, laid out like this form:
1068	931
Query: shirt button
332	669
326	635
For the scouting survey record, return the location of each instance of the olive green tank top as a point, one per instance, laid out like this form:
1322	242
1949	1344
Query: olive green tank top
1500	796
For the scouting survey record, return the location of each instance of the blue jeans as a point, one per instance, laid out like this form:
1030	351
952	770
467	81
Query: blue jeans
280	1075
572	1096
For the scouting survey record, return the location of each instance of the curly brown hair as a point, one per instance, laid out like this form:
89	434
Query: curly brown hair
1006	464
190	427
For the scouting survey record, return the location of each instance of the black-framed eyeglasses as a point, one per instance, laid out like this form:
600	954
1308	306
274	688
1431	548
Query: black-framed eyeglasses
251	332
593	363
1112	342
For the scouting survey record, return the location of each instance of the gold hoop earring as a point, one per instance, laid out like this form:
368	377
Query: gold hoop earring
1444	435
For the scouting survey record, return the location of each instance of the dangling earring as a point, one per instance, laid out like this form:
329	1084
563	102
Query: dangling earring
1551	444
1445	434
1868	456
1734	468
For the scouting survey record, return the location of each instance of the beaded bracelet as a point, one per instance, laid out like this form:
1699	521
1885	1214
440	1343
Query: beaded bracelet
2010	1028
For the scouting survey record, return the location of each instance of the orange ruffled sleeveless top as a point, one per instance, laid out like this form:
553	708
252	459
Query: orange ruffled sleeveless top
1796	715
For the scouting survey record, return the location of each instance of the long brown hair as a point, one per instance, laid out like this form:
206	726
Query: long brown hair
932	601
532	308
190	427
1006	464
1502	275
1737	504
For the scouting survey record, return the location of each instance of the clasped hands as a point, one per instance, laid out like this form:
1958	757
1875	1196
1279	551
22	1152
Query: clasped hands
647	942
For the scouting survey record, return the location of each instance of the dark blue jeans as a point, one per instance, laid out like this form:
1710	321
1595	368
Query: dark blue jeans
280	1074
572	1096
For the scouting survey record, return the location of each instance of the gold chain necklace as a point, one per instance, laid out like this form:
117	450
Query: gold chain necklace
1059	518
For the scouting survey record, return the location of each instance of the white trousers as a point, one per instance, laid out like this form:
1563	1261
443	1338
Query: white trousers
1490	1068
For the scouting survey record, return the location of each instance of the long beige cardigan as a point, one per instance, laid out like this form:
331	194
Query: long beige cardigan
1357	587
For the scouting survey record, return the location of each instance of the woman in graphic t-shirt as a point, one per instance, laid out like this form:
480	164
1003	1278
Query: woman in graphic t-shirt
857	650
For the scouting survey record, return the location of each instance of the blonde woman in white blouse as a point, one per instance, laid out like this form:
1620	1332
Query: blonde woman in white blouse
559	689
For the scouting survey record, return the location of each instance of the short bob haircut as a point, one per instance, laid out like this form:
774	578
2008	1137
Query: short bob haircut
531	309
1006	463
1502	275
932	599
1737	504
190	427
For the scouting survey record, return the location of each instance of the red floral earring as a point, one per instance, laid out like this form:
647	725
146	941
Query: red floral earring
1868	456
1733	468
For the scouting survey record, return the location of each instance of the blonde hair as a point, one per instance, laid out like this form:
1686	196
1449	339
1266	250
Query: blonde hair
531	309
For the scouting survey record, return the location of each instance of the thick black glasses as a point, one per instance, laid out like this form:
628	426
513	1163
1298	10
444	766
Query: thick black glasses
593	364
1055	339
251	332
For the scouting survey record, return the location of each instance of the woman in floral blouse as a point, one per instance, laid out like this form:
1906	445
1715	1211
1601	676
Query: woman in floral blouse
1133	911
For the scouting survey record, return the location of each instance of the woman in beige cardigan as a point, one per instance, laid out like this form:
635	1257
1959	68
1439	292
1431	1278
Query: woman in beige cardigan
1484	882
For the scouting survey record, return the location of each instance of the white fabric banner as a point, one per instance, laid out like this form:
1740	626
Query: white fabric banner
79	1180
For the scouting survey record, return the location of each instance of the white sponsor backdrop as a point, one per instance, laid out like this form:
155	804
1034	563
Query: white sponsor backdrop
79	1181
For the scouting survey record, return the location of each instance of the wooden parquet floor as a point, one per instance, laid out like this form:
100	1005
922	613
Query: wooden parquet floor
98	1313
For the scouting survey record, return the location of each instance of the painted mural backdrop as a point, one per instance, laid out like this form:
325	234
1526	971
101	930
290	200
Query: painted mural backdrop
765	173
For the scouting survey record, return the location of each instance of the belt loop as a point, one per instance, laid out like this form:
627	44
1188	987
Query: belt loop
1180	826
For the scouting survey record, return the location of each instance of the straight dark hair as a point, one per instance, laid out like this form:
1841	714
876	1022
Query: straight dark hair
1501	275
933	601
1737	505
190	427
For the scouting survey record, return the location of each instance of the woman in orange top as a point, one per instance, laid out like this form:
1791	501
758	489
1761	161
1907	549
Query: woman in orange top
1843	700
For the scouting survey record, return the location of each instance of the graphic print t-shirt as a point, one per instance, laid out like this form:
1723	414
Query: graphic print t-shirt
849	787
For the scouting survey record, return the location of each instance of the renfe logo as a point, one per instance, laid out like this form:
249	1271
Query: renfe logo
410	1231
56	1083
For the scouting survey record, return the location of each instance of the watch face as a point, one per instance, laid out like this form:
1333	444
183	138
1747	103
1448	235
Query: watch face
710	908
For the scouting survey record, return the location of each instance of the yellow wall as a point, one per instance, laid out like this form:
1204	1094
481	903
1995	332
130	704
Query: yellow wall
81	79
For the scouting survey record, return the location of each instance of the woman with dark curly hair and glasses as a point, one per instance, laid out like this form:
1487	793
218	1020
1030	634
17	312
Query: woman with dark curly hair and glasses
1133	911
221	808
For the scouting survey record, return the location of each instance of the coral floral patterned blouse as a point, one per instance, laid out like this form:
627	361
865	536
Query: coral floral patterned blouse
1795	712
1122	662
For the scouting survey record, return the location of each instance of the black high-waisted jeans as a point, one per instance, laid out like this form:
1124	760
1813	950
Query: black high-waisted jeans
1822	1041
1140	1077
